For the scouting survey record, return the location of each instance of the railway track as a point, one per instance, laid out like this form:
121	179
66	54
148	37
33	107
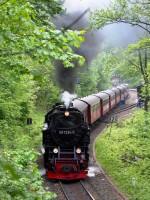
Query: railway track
77	190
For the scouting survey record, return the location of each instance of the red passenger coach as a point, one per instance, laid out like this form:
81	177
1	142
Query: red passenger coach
93	108
112	101
122	92
117	94
104	102
125	88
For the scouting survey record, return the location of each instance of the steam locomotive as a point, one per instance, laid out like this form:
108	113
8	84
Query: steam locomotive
66	133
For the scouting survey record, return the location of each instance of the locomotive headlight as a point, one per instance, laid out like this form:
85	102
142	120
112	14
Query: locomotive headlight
78	150
42	150
45	127
55	150
66	113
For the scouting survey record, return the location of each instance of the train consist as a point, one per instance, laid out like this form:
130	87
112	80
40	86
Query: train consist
66	133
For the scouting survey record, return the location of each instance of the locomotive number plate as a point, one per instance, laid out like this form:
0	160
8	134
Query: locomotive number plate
63	132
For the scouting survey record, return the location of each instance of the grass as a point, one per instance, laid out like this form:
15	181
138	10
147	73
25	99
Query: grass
124	153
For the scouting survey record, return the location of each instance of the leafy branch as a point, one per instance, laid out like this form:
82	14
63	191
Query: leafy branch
122	12
3	3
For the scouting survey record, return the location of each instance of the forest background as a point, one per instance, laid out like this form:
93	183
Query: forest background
30	44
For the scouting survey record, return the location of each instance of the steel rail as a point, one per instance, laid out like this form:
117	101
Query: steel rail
89	194
64	192
125	109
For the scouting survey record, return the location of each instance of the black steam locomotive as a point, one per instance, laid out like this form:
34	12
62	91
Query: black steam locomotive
65	139
66	134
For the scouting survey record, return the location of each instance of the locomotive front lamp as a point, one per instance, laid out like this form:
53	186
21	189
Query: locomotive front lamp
45	127
66	113
78	150
42	150
55	150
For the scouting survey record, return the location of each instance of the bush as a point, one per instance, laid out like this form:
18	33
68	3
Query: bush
19	173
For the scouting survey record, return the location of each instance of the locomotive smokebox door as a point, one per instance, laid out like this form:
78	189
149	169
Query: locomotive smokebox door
29	121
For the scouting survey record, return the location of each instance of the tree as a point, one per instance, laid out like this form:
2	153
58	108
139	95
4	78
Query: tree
135	13
142	64
96	77
87	83
25	34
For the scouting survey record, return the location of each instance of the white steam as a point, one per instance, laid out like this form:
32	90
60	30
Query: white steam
67	98
93	171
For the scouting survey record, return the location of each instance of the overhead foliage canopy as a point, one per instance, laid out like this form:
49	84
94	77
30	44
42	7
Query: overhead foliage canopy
25	31
137	14
133	12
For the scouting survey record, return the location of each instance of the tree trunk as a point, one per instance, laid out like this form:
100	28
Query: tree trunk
143	69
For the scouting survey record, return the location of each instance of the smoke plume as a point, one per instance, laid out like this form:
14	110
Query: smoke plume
67	77
117	35
67	98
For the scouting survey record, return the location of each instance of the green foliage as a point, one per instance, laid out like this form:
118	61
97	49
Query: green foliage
116	62
96	77
134	13
16	182
123	11
124	152
20	177
141	44
29	45
126	67
102	72
22	33
46	9
87	83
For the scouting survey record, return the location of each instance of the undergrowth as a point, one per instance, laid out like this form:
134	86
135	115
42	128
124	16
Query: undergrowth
20	178
124	153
